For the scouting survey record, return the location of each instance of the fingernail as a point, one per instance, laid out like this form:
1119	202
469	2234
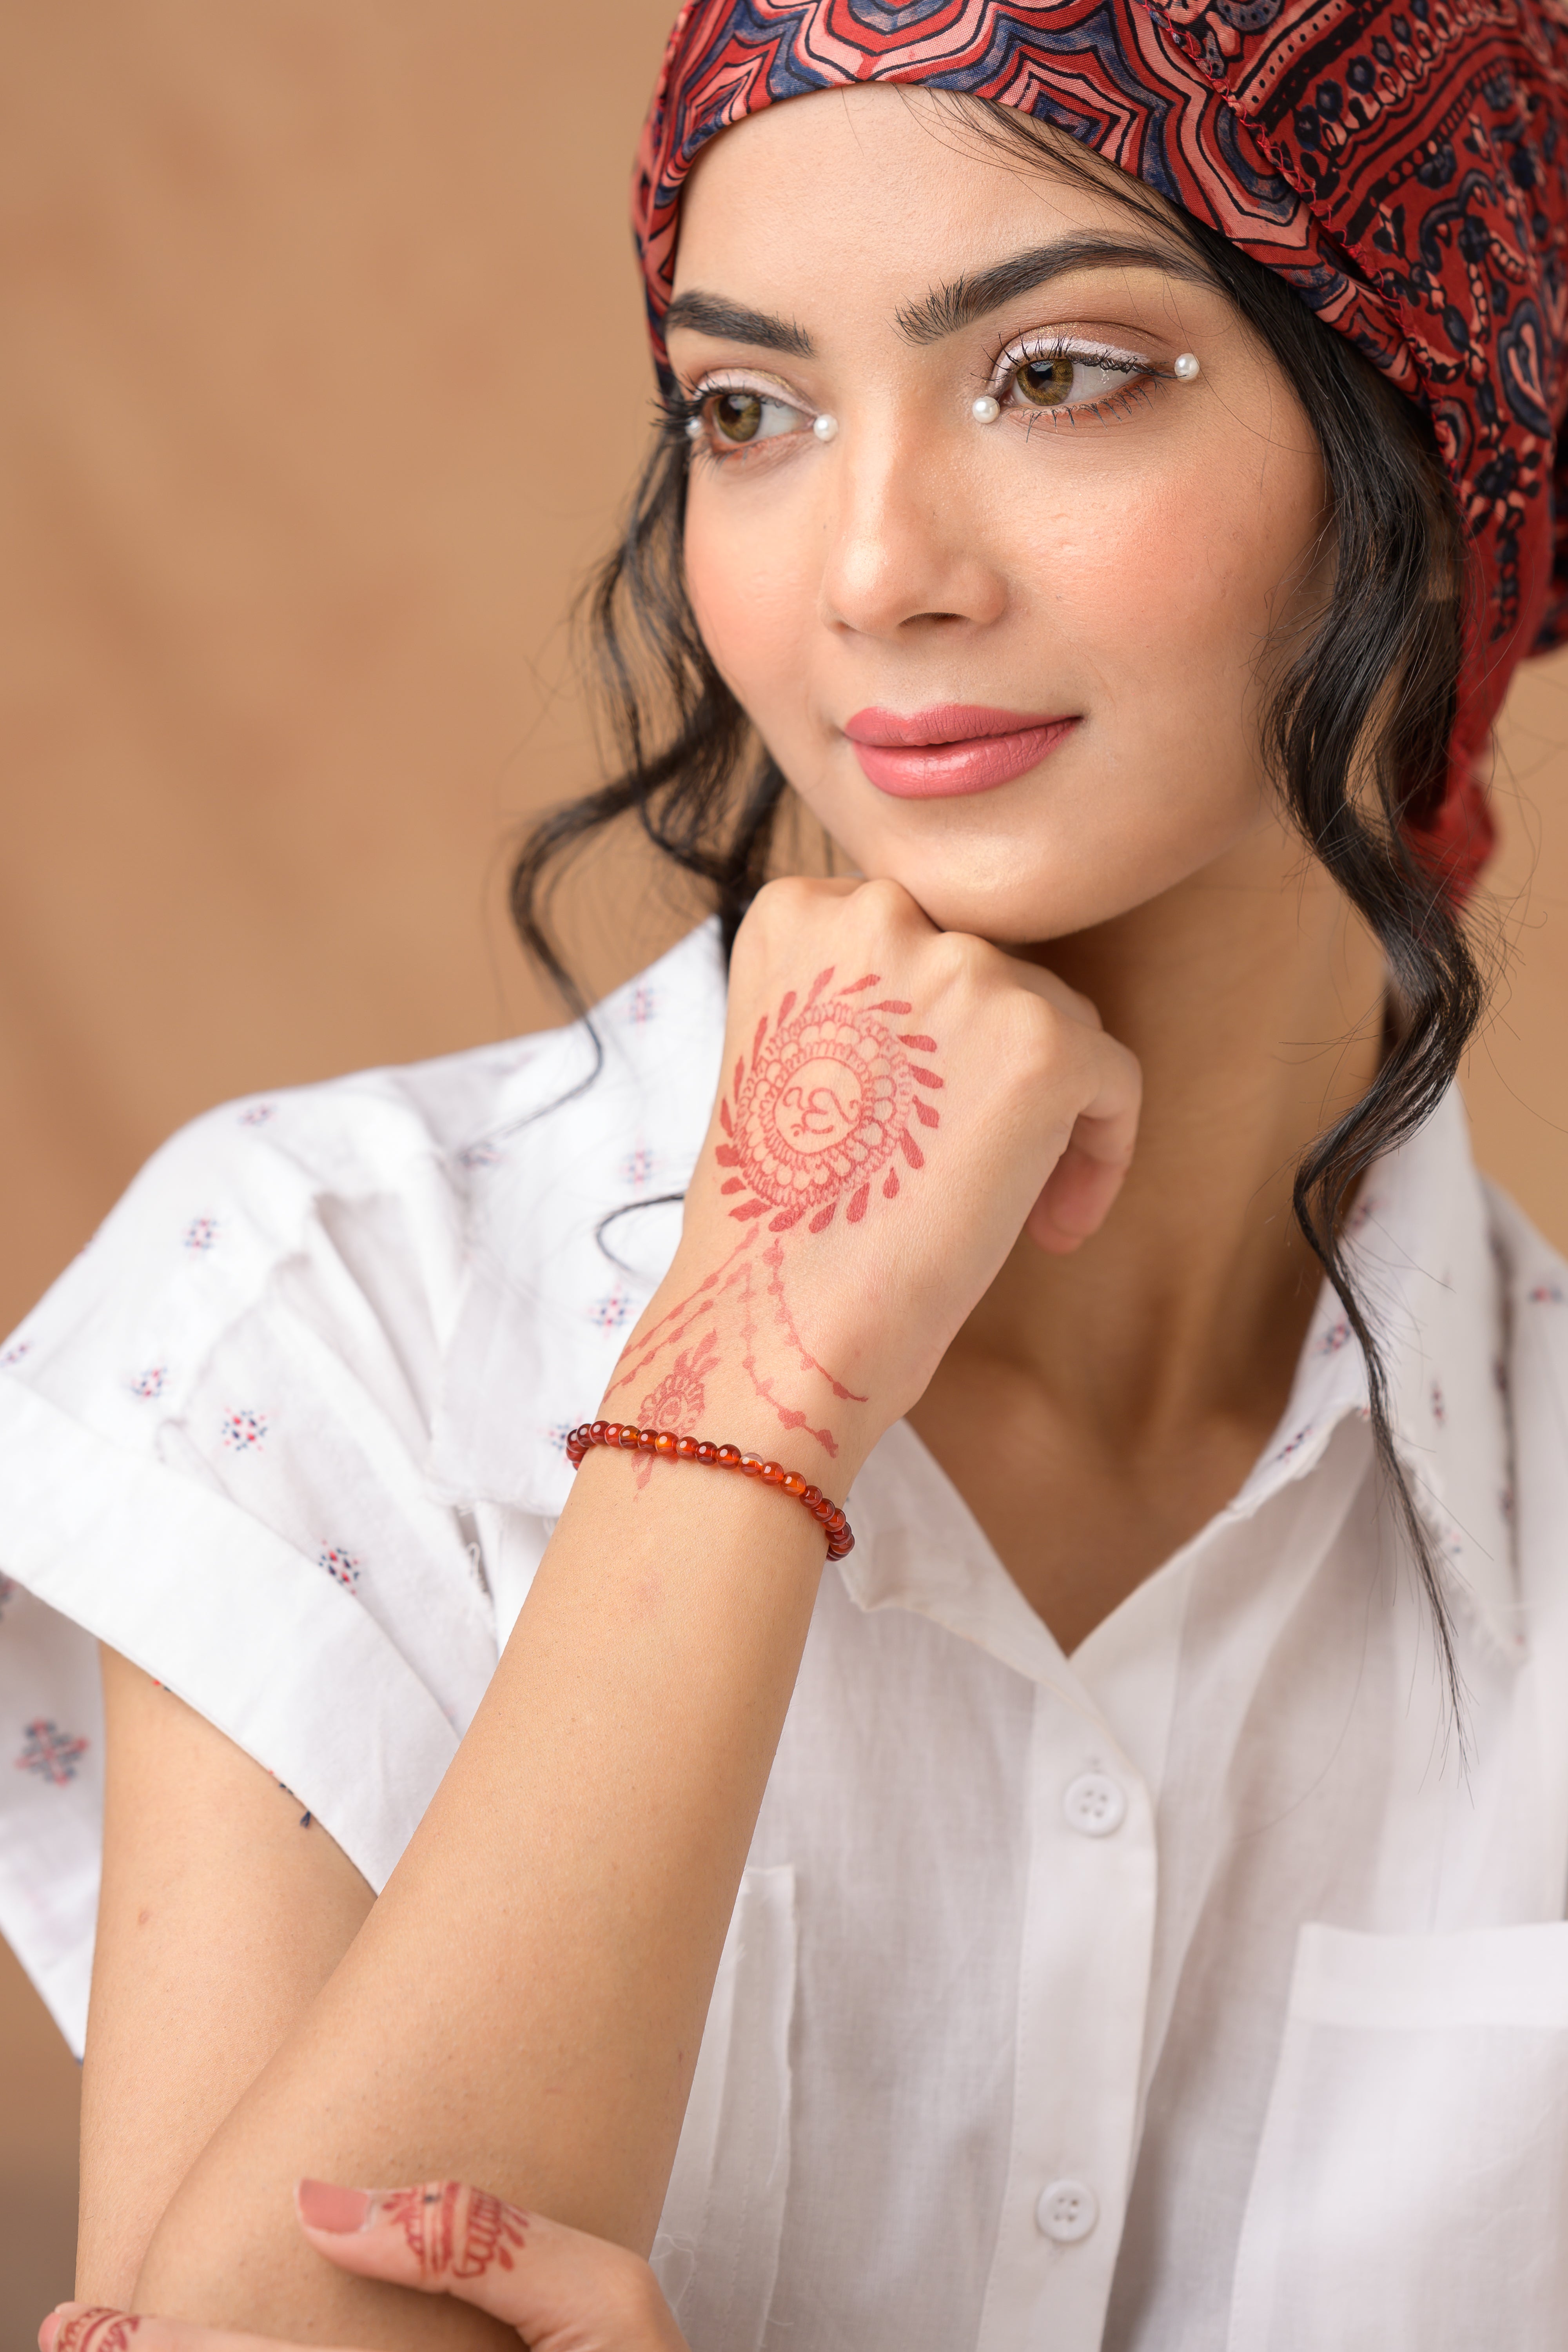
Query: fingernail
52	2327
322	2207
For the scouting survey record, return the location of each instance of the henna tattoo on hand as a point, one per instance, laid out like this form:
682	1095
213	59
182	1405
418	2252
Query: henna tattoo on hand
97	2329
453	2231
826	1105
744	1298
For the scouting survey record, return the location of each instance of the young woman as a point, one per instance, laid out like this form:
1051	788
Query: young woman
1105	479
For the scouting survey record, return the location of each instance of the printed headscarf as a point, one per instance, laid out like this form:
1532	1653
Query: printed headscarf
1401	163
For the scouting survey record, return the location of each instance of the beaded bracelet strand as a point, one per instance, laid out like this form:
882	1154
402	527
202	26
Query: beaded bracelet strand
632	1440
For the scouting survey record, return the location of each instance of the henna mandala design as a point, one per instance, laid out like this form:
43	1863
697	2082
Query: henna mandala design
825	1107
453	2231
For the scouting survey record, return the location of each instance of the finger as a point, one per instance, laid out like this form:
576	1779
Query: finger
1077	1196
555	2285
92	2327
1041	982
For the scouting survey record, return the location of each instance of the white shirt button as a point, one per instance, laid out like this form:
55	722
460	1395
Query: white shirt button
1066	2211
1095	1805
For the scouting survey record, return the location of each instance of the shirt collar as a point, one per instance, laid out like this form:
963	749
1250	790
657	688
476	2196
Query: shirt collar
1420	1253
568	1229
586	1133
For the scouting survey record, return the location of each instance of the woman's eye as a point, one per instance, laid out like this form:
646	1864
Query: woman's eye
739	417
1066	380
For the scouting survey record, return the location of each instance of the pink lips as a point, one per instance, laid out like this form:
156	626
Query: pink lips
952	748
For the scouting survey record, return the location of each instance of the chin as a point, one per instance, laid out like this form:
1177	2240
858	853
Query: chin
1018	893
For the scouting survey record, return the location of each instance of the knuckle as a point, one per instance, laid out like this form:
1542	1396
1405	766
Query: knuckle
961	958
631	2301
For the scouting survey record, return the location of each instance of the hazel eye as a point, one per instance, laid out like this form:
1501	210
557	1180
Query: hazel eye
1069	379
741	417
1045	383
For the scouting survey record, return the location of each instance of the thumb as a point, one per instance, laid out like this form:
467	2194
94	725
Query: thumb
560	2288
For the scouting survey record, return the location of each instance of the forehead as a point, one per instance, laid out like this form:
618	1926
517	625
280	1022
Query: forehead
896	181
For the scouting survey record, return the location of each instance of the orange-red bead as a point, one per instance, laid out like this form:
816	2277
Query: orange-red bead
630	1439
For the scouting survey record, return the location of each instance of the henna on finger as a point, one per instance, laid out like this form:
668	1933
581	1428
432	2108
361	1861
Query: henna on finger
90	2328
453	2231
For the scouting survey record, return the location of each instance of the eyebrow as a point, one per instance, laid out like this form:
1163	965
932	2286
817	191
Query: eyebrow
730	322
964	300
948	308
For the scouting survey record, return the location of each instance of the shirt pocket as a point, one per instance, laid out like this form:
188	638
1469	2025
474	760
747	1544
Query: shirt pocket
1412	2183
717	2250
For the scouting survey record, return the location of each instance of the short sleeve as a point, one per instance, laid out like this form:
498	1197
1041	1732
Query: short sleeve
214	1433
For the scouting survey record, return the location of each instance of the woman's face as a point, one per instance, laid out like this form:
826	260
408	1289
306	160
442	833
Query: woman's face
1076	595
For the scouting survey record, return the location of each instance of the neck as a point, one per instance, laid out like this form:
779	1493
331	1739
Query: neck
1163	1352
1253	999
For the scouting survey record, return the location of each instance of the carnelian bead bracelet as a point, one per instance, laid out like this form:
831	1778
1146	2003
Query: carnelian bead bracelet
632	1440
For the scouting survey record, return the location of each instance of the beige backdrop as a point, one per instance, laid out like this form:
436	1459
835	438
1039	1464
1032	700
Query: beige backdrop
323	376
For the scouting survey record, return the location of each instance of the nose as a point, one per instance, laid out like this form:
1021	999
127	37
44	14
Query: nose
905	547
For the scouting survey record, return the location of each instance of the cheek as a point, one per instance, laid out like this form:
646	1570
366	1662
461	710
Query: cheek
1166	590
752	584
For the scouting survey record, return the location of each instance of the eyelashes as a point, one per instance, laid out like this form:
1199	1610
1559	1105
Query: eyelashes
728	417
734	417
1038	374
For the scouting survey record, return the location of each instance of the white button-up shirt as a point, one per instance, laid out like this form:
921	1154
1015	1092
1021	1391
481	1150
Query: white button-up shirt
1204	1991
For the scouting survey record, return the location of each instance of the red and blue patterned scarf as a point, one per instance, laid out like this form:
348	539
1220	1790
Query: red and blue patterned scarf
1403	164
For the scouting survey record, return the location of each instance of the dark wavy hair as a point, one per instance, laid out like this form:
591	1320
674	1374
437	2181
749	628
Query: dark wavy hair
1355	734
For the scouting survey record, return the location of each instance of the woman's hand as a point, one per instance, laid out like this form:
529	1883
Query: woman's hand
897	1103
561	2290
534	1978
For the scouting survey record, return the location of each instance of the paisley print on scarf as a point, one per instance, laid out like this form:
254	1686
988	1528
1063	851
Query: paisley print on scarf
1403	164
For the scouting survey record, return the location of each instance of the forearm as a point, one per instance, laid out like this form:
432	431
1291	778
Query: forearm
524	2006
525	2003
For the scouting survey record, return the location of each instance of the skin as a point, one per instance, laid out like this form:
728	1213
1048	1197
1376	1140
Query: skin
1128	930
560	2290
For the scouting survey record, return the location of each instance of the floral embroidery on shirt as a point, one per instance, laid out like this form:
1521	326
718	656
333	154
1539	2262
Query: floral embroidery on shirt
637	1169
1336	1337
642	1005
243	1430
48	1753
342	1566
15	1355
611	1312
257	1115
480	1155
1294	1445
150	1383
557	1433
1546	1293
1439	1409
200	1234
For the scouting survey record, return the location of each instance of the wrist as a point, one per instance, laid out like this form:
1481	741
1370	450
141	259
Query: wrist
721	1356
730	1460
